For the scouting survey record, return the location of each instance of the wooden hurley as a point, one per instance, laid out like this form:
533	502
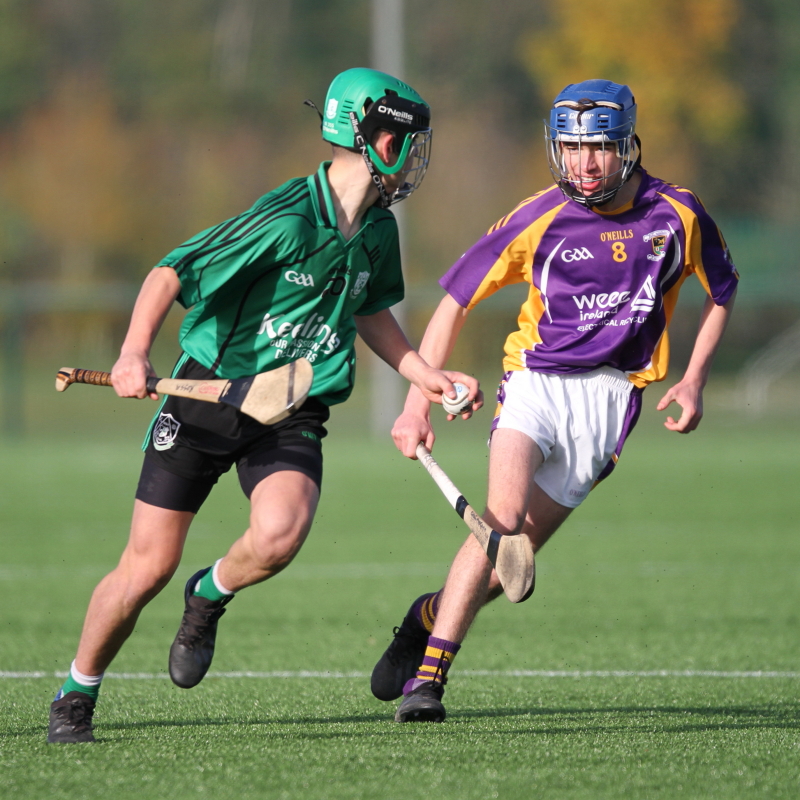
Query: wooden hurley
511	556
268	397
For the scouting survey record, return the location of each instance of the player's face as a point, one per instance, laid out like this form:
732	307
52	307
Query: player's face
592	167
414	167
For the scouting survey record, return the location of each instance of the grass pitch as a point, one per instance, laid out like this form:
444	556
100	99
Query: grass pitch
685	561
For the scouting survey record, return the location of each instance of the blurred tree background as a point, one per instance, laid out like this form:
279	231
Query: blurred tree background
128	125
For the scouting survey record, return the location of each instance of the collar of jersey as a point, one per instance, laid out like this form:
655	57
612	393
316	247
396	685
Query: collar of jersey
631	203
323	202
321	197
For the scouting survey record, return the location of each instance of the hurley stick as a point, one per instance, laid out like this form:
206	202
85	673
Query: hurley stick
268	397
511	556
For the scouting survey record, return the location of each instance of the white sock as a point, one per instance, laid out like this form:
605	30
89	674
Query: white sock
85	680
217	582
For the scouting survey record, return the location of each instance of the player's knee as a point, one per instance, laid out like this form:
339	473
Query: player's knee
139	587
145	577
275	540
505	520
274	554
156	578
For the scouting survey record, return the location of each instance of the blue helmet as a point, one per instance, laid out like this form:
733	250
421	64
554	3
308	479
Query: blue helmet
595	112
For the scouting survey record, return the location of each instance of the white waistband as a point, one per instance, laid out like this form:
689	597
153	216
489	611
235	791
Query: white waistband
613	377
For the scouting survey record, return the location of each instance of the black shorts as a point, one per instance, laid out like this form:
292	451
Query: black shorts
192	443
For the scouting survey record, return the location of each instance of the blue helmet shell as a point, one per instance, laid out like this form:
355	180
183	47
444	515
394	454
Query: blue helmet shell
609	112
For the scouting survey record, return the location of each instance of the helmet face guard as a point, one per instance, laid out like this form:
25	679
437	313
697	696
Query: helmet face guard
599	114
410	124
415	164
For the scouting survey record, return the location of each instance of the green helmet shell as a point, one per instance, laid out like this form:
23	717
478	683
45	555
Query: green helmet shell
380	102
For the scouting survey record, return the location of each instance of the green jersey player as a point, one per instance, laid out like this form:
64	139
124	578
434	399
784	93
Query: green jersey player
311	264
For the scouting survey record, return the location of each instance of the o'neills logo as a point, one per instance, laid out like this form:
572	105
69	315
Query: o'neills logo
615	236
400	116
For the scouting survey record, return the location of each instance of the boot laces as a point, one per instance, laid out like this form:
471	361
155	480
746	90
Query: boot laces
196	622
77	712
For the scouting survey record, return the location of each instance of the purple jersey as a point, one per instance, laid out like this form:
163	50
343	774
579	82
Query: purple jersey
603	285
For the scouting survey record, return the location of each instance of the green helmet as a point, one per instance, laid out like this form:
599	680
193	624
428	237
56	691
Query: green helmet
379	102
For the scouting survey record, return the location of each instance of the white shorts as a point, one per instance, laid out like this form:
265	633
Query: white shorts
580	423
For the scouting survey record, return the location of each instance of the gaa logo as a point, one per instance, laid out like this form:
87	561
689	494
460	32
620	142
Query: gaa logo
578	254
300	278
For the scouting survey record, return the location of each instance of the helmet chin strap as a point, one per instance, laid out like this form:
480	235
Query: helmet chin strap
361	144
607	195
598	199
312	104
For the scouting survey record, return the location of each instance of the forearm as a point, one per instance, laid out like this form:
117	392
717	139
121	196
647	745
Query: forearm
713	322
413	425
437	344
155	299
383	335
385	338
442	332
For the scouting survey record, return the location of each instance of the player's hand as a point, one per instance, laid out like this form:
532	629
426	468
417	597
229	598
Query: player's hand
435	383
411	428
689	396
129	376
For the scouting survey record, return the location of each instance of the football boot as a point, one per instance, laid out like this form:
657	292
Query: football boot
402	658
71	719
423	704
191	652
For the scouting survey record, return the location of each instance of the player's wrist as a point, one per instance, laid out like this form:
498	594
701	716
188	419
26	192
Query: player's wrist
417	404
416	370
695	380
134	350
419	393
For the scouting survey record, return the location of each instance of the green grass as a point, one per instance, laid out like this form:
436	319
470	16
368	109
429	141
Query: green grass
685	560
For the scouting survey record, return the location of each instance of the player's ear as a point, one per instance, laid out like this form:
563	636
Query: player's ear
383	144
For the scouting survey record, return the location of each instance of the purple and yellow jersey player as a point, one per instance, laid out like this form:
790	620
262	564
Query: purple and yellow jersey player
603	287
605	252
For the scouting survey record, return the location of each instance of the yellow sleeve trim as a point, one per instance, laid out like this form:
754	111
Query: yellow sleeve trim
693	257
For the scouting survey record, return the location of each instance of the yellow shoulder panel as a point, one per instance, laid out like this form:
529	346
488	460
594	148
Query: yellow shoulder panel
515	263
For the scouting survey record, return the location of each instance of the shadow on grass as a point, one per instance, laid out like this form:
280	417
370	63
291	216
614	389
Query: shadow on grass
640	719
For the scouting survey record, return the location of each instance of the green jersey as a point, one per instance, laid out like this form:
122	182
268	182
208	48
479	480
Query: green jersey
280	282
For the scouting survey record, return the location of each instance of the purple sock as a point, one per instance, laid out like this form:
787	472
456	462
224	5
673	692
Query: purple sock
438	656
426	608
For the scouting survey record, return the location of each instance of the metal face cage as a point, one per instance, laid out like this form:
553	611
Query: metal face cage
581	124
416	163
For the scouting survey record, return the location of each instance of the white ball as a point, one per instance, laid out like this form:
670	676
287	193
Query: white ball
460	404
